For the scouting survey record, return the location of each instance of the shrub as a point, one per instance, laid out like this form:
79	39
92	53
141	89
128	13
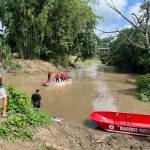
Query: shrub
15	128
143	87
17	102
12	67
22	117
5	51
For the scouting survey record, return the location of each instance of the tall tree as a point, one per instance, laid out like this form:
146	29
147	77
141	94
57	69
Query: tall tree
140	23
48	29
126	56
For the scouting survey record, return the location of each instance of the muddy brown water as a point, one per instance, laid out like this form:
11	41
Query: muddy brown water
94	87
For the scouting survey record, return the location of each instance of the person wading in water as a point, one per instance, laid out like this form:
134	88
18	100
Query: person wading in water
36	99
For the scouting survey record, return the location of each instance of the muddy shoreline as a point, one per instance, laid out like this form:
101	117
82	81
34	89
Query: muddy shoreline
69	136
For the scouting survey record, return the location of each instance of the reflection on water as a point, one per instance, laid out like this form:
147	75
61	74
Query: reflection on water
94	87
104	100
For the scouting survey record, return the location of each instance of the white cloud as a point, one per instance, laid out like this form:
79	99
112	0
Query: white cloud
127	26
110	16
102	9
1	28
113	20
134	9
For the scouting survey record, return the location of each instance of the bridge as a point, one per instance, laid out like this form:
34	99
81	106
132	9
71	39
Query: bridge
103	51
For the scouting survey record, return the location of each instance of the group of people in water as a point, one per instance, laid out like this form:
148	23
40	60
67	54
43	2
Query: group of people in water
36	97
59	77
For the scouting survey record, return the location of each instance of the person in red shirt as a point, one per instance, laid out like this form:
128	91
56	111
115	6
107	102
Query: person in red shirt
57	77
62	76
49	75
65	76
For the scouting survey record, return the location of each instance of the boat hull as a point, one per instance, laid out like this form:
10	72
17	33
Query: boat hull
57	83
122	122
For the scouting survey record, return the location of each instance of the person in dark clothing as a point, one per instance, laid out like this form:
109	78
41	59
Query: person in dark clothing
36	99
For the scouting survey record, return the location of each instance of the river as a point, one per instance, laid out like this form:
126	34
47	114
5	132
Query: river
94	87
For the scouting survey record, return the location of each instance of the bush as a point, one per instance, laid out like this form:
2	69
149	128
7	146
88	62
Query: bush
15	128
23	117
5	51
12	67
143	87
17	102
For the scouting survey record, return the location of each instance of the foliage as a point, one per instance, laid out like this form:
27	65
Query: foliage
49	29
5	51
22	117
17	102
37	118
12	67
15	128
43	148
143	86
123	55
105	42
86	46
5	56
104	45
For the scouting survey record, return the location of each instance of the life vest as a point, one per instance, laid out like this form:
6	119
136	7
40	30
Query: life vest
50	72
57	76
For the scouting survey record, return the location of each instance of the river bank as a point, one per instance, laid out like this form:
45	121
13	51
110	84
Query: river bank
68	135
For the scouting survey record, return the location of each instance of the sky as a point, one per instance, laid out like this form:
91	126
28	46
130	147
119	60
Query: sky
111	20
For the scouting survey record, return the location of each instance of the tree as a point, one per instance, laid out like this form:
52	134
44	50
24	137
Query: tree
5	51
126	56
48	29
140	23
105	42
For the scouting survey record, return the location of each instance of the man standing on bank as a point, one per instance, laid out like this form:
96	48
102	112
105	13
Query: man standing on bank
36	99
3	94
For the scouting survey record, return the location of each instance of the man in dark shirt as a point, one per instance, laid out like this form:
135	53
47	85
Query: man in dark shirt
36	99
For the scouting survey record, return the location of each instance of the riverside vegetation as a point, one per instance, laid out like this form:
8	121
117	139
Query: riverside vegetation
22	117
143	87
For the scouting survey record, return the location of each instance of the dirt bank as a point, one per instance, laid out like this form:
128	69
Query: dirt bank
68	136
33	67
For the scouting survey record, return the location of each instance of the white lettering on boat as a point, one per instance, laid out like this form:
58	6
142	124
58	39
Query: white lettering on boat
135	130
128	129
147	131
